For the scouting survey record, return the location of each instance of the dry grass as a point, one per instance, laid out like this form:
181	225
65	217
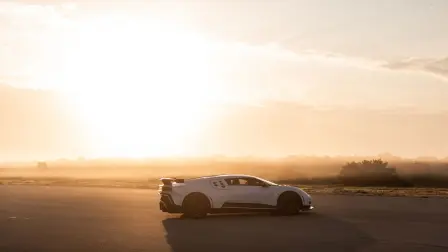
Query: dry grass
377	191
153	183
51	181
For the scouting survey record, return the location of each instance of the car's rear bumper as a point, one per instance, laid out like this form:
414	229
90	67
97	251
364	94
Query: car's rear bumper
167	205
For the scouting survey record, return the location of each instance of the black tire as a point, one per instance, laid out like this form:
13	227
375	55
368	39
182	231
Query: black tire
289	203
196	205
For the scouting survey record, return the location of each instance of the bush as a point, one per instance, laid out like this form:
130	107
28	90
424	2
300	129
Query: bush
370	173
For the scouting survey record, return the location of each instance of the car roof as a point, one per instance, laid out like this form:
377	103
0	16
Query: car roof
224	176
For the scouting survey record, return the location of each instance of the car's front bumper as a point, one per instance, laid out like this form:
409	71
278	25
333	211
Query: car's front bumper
307	208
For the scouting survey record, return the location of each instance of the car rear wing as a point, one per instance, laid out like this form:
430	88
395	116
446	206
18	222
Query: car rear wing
170	181
167	185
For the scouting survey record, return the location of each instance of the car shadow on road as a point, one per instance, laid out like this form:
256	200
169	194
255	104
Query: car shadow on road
263	232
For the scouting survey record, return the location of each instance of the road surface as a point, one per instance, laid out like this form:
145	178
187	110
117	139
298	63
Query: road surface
39	219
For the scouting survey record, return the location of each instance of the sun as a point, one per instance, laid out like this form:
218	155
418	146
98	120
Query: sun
141	88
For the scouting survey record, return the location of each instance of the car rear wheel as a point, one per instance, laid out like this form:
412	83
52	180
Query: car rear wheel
289	203
196	205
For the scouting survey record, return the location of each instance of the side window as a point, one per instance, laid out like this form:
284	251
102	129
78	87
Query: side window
231	182
236	181
244	182
254	182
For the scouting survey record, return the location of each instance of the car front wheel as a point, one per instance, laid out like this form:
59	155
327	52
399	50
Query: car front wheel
289	203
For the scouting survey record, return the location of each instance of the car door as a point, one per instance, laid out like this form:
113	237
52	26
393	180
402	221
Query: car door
246	192
257	192
234	192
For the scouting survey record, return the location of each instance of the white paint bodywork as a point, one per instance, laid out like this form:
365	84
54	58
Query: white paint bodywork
219	191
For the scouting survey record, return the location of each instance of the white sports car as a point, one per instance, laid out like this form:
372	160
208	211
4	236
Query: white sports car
230	193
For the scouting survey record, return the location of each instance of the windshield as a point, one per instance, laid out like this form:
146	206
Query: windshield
268	182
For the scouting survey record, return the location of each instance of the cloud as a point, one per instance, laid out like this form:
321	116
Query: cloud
30	15
279	49
341	59
30	36
30	28
437	67
273	52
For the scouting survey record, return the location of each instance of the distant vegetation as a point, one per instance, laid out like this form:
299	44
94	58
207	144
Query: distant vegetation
340	171
370	173
42	165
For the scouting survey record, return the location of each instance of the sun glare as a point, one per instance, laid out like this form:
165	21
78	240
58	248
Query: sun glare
142	88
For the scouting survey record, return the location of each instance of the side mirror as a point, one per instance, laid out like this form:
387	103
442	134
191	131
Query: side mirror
265	185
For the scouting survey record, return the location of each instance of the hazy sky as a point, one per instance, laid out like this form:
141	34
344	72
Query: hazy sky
357	54
374	53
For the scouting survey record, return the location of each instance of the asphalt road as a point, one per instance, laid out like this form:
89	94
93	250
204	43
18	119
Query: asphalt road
98	219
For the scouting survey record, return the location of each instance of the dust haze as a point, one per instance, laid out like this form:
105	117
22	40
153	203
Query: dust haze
423	172
280	141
